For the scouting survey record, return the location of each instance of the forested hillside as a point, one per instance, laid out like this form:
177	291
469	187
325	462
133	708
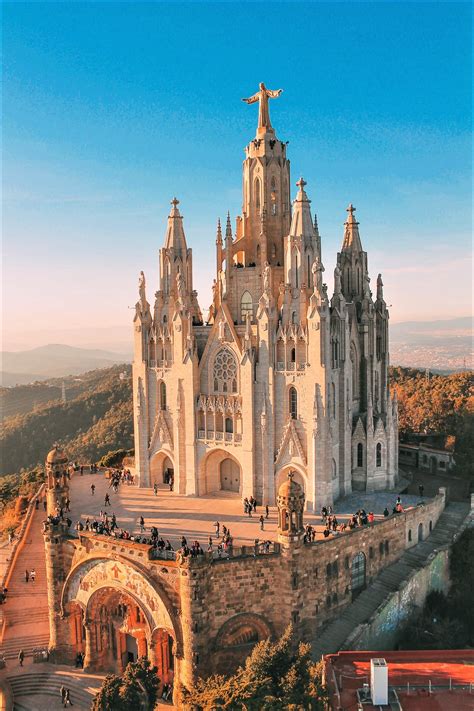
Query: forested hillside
438	404
94	421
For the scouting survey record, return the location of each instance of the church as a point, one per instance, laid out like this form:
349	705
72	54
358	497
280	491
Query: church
278	377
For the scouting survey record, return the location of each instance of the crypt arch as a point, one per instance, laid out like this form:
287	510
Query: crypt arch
220	471
236	638
124	612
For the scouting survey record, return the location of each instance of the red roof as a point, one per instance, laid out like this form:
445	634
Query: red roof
350	670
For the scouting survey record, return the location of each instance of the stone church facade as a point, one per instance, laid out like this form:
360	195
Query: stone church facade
279	377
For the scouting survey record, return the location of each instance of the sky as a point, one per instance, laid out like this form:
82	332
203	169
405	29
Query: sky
110	109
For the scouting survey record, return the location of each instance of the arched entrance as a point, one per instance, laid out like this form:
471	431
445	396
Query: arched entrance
123	617
229	475
161	469
358	574
236	639
118	630
220	471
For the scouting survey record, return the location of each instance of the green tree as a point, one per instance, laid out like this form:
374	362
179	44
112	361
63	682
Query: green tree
136	689
275	677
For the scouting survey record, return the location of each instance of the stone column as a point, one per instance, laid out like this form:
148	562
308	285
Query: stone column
61	645
88	646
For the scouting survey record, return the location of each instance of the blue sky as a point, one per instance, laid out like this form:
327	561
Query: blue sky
110	109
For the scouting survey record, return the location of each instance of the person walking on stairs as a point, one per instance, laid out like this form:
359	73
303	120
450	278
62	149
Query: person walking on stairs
67	698
21	656
27	575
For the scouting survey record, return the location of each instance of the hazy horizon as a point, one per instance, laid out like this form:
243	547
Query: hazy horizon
100	134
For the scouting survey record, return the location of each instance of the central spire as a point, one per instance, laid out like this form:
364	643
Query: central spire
262	96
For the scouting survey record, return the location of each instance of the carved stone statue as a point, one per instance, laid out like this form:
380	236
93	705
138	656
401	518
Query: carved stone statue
267	272
141	287
262	96
379	288
337	280
221	328
223	284
317	272
180	286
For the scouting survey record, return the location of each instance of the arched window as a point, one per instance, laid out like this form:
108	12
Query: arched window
229	425
333	398
258	251
246	306
334	469
293	355
162	396
360	455
358	574
257	194
378	455
409	535
225	372
293	403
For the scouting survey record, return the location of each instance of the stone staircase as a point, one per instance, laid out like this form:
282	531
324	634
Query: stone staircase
332	636
11	647
38	688
26	624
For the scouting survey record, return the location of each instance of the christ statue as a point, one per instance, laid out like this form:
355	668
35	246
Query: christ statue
262	97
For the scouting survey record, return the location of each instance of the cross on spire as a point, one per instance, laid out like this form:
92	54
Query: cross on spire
301	183
350	209
175	202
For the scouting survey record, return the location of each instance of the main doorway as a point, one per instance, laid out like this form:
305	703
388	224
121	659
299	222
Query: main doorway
230	475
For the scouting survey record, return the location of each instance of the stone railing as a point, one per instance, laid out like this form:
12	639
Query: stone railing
219	435
280	366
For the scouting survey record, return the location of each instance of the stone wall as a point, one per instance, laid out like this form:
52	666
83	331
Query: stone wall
382	630
216	609
307	585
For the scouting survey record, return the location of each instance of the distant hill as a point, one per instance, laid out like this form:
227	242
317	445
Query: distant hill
96	418
52	361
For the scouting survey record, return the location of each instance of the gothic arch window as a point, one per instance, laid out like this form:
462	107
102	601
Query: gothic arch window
377	388
355	374
293	355
225	371
257	193
229	425
162	396
293	403
360	455
333	400
246	306
258	251
334	469
378	455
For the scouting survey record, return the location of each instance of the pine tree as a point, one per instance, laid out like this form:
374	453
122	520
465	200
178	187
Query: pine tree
274	677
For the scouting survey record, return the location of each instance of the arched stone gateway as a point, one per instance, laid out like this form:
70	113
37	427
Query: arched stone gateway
117	615
236	638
